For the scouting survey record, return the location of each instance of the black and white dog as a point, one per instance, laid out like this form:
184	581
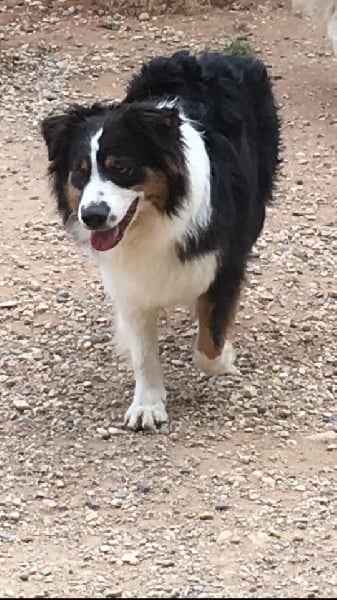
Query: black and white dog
168	189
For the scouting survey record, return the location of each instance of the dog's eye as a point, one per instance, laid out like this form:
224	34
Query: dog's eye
125	170
80	175
124	167
119	165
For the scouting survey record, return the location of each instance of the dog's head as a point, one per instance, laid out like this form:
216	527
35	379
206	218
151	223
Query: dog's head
106	161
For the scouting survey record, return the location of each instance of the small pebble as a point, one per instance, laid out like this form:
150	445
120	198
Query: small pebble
21	404
62	297
143	487
130	558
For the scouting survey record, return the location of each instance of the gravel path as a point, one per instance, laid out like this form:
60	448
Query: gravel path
240	497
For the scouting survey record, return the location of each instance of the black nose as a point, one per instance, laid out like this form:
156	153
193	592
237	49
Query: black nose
95	215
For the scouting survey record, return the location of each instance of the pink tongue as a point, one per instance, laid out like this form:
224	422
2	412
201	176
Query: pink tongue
104	240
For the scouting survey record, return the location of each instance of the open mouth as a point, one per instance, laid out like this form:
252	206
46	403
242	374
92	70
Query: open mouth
109	238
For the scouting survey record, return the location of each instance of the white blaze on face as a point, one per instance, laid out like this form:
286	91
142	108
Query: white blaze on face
100	190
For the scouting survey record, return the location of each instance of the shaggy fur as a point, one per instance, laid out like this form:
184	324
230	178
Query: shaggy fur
168	190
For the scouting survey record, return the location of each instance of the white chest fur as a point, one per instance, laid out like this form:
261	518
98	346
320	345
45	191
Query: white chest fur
144	271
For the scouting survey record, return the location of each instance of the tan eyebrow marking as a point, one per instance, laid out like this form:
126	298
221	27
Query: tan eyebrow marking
85	166
110	161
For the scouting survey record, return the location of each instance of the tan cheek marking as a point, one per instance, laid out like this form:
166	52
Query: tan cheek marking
155	188
73	195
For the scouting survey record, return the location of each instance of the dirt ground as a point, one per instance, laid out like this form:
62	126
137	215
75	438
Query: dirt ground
239	498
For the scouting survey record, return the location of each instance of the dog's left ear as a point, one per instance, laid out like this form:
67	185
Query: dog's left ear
161	125
54	131
162	117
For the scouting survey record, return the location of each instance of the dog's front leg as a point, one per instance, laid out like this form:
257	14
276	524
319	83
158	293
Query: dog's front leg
139	331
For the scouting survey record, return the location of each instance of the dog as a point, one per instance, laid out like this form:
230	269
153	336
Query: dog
324	11
168	190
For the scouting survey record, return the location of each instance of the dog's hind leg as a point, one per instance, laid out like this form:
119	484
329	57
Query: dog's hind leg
216	309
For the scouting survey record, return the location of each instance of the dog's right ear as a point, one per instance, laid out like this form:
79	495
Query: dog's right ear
54	130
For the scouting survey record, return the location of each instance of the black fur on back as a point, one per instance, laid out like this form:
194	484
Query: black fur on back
230	100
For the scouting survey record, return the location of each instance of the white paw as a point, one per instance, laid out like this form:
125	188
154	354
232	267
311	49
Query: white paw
219	365
147	410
